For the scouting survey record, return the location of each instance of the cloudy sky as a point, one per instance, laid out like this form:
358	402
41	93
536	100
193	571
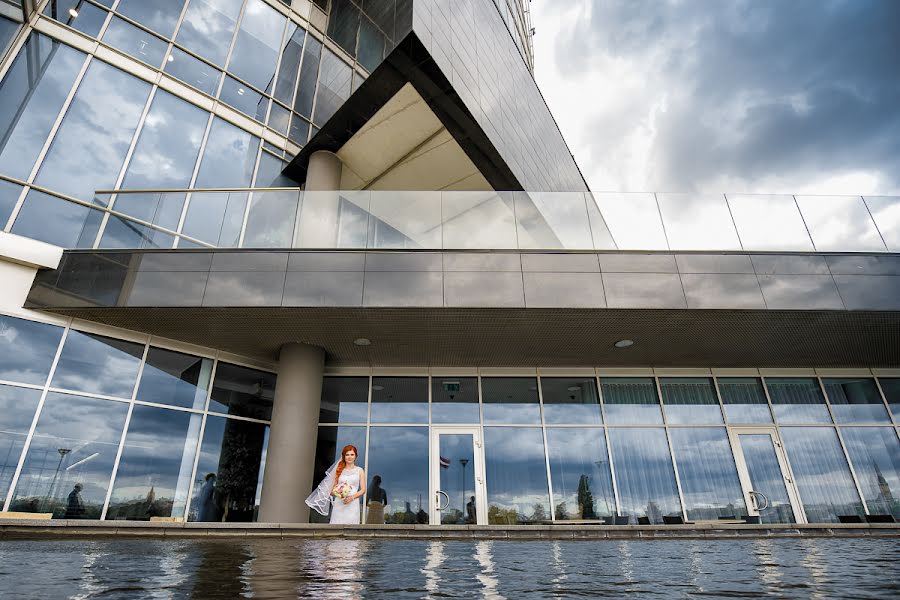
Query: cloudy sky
797	96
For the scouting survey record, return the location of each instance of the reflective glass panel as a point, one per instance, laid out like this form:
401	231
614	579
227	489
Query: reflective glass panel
579	470
875	454
269	172
690	401
9	196
256	47
56	221
229	157
840	223
644	474
457	479
215	218
290	63
270	221
27	349
405	220
397	490
478	220
31	95
208	27
572	400
17	406
343	25
769	222
886	212
630	400
698	222
162	209
98	364
334	86
744	400
855	400
79	160
454	399
86	18
600	233
159	15
154	474
891	389
797	400
510	400
309	74
174	378
125	233
553	220
70	458
328	448
344	400
232	460
242	391
767	478
633	221
823	477
516	475
168	145
192	71
135	42
371	45
400	400
709	478
333	220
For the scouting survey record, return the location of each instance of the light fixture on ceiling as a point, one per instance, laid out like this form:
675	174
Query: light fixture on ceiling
362	342
73	13
624	343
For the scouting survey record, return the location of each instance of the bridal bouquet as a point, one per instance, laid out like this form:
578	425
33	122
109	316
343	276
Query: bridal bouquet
342	490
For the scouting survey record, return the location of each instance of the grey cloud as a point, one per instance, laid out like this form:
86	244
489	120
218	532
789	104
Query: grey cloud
801	90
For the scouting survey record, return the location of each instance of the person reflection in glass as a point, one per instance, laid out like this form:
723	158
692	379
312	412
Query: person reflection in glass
376	502
206	499
471	517
75	504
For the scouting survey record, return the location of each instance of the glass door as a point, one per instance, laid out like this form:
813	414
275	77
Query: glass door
457	476
765	478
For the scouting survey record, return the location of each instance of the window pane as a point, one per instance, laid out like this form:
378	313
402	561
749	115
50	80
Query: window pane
630	400
371	45
344	400
17	406
125	233
516	475
454	400
510	400
579	470
290	63
159	15
840	223
399	400
343	24
174	378
855	400
709	479
244	98
328	447
271	219
162	209
875	454
256	48
135	42
309	74
232	460
229	157
55	221
98	364
243	392
154	474
698	222
334	86
31	95
215	218
886	213
766	476
398	475
71	456
797	400
690	400
87	19
823	477
208	27
769	222
891	389
193	71
572	400
553	220
745	400
644	474
27	349
633	221
167	148
9	197
405	220
81	161
478	220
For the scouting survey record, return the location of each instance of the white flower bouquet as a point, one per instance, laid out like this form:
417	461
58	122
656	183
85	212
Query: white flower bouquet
342	490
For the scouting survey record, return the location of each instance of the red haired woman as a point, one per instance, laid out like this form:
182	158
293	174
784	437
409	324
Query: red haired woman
343	486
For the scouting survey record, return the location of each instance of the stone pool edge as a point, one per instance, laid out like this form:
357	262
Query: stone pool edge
26	528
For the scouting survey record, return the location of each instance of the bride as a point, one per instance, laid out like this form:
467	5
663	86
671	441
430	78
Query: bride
344	510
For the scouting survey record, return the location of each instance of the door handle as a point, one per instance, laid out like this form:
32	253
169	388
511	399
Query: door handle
437	499
754	494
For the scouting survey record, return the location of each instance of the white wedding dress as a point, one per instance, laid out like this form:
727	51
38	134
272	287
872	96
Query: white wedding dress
346	514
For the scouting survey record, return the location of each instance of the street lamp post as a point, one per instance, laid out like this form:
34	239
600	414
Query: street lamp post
464	462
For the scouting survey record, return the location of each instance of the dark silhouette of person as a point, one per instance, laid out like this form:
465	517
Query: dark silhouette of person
376	501
470	511
206	500
75	504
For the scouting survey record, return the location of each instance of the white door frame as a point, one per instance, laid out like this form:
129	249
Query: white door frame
434	470
790	485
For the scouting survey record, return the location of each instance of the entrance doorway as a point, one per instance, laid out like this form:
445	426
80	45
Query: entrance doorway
769	489
457	476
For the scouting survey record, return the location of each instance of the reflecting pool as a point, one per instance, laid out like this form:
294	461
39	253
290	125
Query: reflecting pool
344	568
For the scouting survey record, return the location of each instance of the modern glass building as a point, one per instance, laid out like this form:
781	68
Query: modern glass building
240	234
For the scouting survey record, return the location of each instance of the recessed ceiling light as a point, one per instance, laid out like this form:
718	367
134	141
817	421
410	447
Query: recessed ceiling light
574	388
73	13
377	388
362	342
624	343
171	58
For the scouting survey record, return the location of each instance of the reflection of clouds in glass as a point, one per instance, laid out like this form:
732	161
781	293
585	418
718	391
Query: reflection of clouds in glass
644	473
709	479
769	222
399	455
633	220
698	222
516	474
97	364
886	212
27	349
840	223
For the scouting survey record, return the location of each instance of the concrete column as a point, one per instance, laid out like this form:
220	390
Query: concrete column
319	212
323	173
291	454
